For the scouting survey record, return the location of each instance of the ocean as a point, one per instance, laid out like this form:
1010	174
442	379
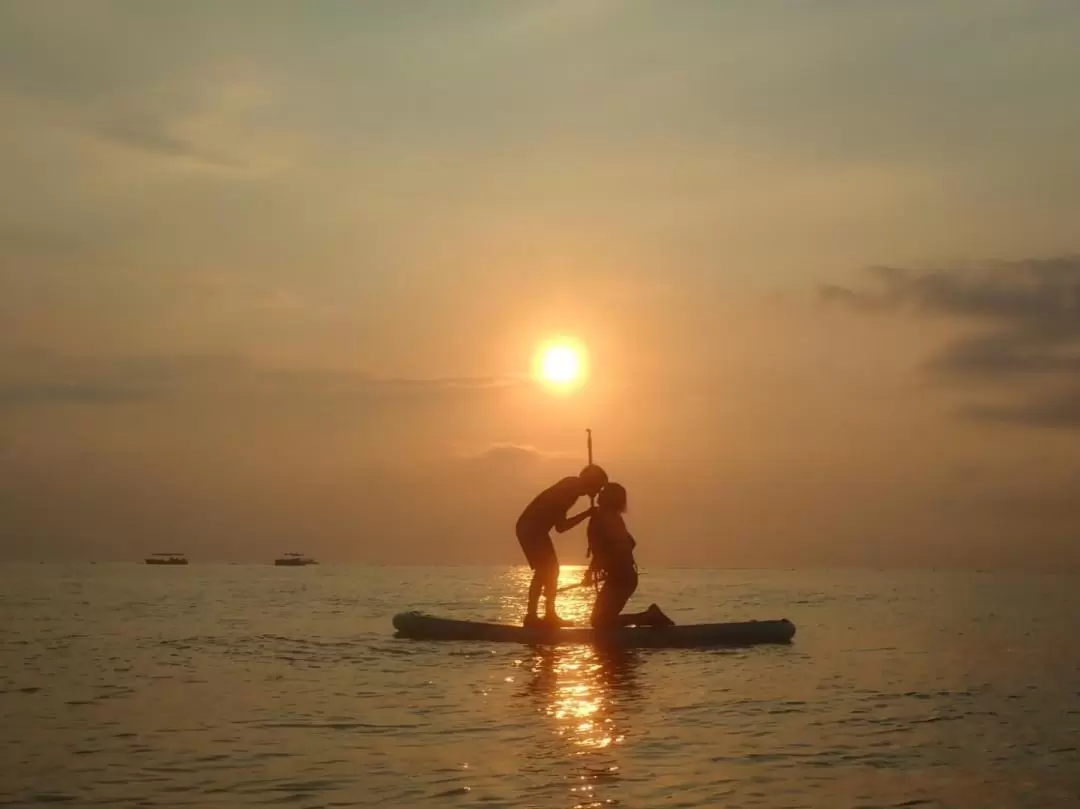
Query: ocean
248	685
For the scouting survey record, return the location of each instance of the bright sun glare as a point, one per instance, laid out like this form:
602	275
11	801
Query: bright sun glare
561	364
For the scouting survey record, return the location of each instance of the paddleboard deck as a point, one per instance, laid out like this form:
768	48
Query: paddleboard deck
420	626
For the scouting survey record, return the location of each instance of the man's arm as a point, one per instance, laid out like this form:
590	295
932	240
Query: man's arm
567	523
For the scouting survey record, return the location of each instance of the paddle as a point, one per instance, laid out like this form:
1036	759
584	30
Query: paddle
592	502
588	444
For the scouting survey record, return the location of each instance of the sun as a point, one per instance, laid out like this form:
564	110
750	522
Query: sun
561	364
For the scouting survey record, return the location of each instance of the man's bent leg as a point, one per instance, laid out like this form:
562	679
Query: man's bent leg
547	569
540	553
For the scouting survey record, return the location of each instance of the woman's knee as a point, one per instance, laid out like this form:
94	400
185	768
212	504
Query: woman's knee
605	612
603	619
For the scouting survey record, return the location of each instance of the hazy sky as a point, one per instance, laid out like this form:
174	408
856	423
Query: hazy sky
272	276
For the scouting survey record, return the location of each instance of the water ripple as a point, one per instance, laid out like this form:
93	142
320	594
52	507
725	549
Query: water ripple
244	686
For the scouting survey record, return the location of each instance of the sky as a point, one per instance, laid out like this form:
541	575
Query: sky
273	275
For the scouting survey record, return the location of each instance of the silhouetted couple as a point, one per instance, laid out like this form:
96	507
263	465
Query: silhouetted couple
611	549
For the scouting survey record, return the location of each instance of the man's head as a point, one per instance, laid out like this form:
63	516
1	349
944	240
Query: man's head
593	478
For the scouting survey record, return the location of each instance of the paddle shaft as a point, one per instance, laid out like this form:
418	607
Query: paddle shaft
588	444
592	502
566	587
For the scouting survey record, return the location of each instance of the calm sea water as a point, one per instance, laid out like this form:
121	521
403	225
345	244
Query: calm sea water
220	686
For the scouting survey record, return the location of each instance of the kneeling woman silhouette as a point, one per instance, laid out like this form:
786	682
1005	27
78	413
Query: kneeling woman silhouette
612	550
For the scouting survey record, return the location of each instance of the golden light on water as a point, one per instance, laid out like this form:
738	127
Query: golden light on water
586	692
562	364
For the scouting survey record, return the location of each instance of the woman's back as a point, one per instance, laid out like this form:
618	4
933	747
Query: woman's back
609	542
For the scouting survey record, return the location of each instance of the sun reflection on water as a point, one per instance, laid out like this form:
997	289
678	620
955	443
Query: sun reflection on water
586	692
574	605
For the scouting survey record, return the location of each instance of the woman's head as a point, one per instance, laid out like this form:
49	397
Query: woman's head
612	496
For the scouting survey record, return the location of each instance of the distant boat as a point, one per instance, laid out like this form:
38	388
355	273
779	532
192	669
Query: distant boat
294	560
166	559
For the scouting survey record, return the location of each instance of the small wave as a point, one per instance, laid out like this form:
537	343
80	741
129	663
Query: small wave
337	726
52	797
462	790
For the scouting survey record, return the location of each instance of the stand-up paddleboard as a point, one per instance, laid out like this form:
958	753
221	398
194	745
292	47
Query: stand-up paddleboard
419	626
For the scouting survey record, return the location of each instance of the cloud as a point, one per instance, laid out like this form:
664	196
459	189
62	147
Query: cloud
1026	316
1004	356
31	379
1060	411
153	134
1041	293
73	393
511	456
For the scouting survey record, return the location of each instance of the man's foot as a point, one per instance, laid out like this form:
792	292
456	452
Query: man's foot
556	621
656	617
533	620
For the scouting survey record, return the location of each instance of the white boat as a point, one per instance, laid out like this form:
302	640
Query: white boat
294	560
166	559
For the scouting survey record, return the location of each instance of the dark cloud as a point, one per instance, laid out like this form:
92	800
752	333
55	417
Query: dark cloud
1005	356
1026	316
1053	411
1043	294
